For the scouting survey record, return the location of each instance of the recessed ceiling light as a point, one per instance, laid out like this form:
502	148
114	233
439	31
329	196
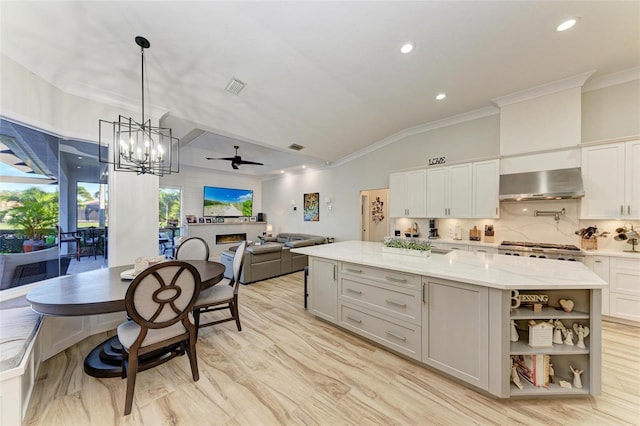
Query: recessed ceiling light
281	171
406	48
304	166
441	96
566	24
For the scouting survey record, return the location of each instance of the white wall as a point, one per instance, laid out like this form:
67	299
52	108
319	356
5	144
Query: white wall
611	112
469	140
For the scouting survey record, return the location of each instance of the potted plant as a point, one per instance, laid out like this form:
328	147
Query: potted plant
34	217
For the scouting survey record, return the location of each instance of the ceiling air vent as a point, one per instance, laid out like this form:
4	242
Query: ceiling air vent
296	147
235	86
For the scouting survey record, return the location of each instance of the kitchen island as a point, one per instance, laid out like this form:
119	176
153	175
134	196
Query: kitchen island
452	312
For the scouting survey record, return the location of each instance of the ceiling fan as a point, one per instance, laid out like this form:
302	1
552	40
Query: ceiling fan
237	160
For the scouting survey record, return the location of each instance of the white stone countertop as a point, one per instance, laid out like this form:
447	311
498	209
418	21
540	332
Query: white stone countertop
485	269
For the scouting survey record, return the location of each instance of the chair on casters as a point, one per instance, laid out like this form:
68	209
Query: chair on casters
159	302
223	295
193	248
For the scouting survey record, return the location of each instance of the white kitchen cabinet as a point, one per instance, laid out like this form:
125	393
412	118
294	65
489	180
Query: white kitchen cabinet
624	288
449	191
464	190
456	341
407	192
611	175
323	288
600	265
486	188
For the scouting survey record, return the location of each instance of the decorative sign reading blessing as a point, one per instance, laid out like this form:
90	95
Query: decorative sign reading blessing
518	299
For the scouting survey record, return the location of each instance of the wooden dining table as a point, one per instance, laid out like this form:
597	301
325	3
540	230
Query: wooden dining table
101	291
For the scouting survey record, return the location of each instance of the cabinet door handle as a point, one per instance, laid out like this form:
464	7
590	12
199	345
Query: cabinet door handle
629	210
397	280
395	302
481	251
357	271
350	290
598	261
397	336
454	248
621	209
334	273
424	292
354	319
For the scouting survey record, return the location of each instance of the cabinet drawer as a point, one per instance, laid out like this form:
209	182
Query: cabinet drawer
625	306
381	275
398	336
403	304
630	265
624	281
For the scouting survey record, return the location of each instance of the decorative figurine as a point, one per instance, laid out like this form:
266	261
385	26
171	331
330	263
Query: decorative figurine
552	374
582	332
566	305
568	337
577	382
557	332
515	378
514	332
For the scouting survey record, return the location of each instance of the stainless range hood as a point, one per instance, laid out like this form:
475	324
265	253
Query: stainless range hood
543	185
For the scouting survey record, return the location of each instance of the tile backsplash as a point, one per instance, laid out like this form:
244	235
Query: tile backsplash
517	222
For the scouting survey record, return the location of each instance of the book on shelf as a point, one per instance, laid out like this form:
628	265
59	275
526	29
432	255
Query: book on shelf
534	368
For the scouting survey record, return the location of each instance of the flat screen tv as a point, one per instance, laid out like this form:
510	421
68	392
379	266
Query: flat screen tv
227	202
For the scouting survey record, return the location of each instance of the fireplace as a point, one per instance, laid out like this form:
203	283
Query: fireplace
230	238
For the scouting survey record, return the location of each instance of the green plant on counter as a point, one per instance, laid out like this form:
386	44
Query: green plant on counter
408	243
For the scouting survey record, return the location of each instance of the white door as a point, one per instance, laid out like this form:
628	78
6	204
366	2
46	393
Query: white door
416	196
486	181
364	215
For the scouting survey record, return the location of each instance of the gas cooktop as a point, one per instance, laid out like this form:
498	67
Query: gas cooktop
535	245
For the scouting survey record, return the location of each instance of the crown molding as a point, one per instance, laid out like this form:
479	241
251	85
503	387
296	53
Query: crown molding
612	79
543	90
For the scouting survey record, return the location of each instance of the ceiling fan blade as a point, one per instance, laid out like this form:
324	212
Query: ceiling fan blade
251	162
223	158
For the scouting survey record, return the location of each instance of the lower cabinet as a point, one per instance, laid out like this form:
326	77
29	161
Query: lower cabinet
466	331
624	288
323	288
455	335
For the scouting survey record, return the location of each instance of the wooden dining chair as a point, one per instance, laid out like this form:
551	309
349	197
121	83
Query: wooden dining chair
159	302
223	295
193	248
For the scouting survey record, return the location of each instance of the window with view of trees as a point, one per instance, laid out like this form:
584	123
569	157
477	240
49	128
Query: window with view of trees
169	207
91	204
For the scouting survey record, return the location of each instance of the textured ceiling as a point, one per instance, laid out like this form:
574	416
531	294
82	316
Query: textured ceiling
324	75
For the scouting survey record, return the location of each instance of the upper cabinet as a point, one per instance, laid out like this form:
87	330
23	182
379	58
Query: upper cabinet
408	194
486	187
466	190
611	175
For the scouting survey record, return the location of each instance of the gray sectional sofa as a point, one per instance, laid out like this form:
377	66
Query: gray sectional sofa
271	259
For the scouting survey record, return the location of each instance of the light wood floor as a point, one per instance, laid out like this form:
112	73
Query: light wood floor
286	367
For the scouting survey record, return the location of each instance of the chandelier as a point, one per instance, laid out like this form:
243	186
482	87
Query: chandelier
138	146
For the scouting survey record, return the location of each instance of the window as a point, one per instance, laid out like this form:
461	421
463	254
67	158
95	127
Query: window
91	205
169	207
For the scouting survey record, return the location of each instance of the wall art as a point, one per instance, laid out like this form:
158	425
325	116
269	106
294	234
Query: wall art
312	207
